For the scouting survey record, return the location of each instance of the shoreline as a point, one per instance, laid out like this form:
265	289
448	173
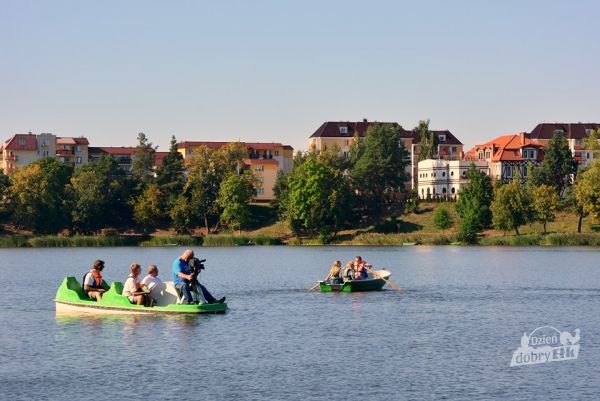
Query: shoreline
232	240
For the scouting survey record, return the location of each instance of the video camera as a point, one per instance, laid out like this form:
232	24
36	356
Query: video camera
195	266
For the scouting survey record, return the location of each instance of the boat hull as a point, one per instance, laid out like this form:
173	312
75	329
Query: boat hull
374	282
70	299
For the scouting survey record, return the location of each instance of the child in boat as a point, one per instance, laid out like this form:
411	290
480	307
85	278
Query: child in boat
361	269
132	288
333	277
93	284
151	281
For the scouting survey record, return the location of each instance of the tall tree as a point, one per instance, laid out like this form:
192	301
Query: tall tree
147	208
169	175
587	191
4	184
545	203
511	207
235	194
37	195
319	199
473	204
142	166
105	203
379	173
559	165
428	141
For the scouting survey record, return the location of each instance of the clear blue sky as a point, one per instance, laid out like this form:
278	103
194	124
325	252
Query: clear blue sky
275	70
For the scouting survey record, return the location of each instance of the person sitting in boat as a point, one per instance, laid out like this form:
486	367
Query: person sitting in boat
333	277
93	284
186	279
151	280
361	269
132	288
347	272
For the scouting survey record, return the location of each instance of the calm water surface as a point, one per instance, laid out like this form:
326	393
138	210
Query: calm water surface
449	335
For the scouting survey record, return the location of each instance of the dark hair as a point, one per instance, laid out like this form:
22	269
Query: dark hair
98	265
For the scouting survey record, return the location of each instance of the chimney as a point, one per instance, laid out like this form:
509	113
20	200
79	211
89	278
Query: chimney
522	135
364	120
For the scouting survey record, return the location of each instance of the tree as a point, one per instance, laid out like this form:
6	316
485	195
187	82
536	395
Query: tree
545	203
442	219
510	207
181	215
142	166
319	197
591	143
379	173
428	141
169	175
4	184
147	208
234	197
88	201
558	165
473	205
207	169
37	195
101	196
587	192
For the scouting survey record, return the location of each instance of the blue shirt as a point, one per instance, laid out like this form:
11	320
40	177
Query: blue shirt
179	266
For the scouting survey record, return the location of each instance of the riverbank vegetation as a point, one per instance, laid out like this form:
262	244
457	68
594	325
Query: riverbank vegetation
327	198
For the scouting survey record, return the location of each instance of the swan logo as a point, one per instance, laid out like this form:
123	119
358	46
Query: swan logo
546	344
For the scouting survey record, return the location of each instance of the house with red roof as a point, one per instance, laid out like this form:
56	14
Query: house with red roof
23	149
72	150
508	155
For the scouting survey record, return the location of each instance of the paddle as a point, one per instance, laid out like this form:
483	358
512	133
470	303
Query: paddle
313	287
393	285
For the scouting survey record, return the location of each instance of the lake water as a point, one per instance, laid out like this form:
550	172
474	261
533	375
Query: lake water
449	335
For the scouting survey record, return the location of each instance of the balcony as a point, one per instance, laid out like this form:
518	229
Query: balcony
64	152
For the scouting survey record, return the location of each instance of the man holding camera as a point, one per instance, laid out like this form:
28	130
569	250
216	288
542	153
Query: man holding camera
185	277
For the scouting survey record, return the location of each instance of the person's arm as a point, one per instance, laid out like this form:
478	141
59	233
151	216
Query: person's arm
88	284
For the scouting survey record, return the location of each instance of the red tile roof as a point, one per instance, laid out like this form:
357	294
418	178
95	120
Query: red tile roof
507	147
21	142
159	157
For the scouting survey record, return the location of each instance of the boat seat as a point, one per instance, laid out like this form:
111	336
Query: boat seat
73	285
118	286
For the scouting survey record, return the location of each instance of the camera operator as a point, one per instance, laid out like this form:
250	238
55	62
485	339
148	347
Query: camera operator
185	277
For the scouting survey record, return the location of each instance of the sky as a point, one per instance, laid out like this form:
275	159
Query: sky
274	71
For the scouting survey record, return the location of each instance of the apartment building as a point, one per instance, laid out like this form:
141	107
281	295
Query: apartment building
23	149
342	134
265	160
575	133
72	150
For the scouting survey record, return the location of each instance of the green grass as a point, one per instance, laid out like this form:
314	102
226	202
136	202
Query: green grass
172	240
240	240
51	241
14	241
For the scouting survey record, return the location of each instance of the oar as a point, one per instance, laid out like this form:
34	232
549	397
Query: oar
313	287
393	285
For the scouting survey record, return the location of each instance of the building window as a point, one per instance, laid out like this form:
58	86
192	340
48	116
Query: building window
453	190
259	168
22	141
452	174
346	154
276	153
79	160
261	179
487	154
443	173
442	138
443	190
78	148
260	191
344	130
453	149
45	153
508	171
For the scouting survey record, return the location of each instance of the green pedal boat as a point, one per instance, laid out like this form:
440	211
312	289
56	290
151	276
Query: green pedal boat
374	282
71	299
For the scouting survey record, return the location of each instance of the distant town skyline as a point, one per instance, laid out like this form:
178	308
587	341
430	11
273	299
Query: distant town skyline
274	72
